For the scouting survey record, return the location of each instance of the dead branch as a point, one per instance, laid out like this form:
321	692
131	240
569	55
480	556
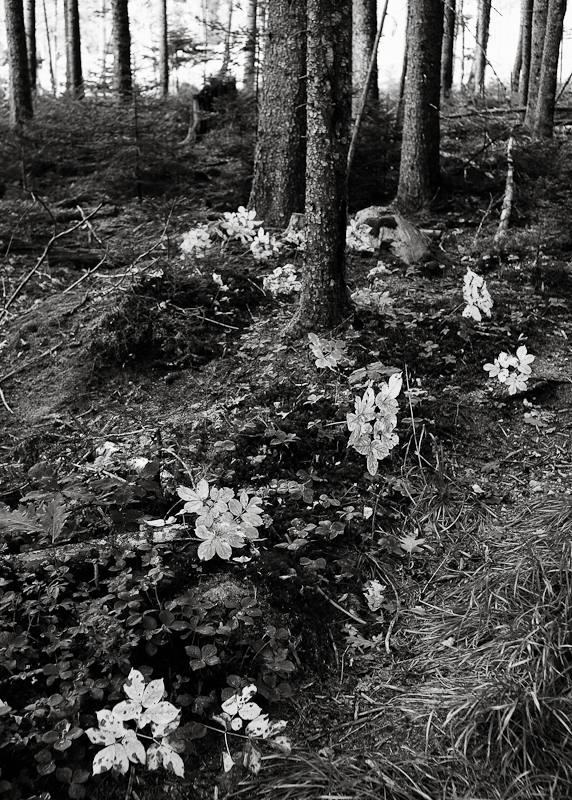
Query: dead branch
41	260
508	194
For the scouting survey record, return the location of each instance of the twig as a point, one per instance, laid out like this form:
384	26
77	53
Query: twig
5	404
365	90
41	260
508	194
90	226
22	367
340	608
85	275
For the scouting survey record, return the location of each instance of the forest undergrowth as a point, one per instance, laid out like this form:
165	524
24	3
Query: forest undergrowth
236	564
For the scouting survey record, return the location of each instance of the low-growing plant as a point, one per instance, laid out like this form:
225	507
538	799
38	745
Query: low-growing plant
512	371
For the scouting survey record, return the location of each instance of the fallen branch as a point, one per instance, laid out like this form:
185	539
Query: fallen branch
4	402
85	275
508	194
41	260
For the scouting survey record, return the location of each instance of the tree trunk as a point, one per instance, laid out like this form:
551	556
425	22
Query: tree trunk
401	95
122	79
19	80
525	40
515	74
364	28
279	162
482	40
249	77
539	14
163	49
419	169
74	77
30	26
324	298
448	47
544	114
227	42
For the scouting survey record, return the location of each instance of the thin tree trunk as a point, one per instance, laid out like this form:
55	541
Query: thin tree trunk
526	41
31	51
19	81
482	40
515	74
324	299
227	40
249	77
122	78
279	161
401	95
163	49
539	15
419	168
364	27
49	44
74	77
448	47
544	114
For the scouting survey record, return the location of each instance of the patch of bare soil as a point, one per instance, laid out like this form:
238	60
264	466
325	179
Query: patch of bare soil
114	349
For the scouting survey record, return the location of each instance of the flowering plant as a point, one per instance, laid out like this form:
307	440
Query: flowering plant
476	296
329	352
282	280
224	521
241	224
512	371
196	242
263	246
372	423
121	745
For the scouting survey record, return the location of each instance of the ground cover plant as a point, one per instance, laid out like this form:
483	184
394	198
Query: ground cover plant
235	563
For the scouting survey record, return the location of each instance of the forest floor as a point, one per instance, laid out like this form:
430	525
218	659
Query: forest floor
418	649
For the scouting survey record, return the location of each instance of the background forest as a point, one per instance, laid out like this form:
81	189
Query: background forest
285	394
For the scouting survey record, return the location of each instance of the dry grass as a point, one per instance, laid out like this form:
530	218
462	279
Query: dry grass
501	647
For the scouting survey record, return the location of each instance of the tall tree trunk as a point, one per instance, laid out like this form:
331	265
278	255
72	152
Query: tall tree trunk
74	77
544	114
122	79
249	77
539	15
30	26
279	162
482	40
227	41
324	298
364	28
517	66
19	81
163	49
526	41
419	168
448	47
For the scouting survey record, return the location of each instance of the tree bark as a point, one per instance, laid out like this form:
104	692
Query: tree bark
419	168
544	113
122	78
482	40
19	80
74	76
279	162
249	76
539	15
364	28
448	47
525	48
163	49
324	298
30	26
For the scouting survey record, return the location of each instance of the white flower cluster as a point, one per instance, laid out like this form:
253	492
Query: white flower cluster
196	242
476	296
512	371
224	521
122	746
372	425
359	238
282	280
241	224
263	246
